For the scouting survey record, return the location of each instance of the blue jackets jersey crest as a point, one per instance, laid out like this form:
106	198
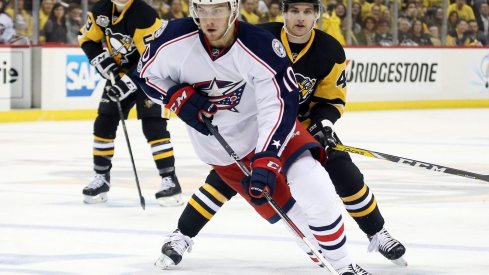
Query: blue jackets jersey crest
252	84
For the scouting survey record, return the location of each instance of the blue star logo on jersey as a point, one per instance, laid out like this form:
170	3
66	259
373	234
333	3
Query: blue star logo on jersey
224	94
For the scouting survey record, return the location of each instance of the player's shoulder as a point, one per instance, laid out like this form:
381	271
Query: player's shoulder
274	27
141	14
102	7
329	45
262	44
175	29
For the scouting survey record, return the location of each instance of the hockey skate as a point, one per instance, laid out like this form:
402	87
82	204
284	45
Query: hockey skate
96	191
352	269
172	251
389	247
170	193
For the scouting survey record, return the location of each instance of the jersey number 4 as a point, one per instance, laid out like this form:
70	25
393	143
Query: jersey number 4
341	80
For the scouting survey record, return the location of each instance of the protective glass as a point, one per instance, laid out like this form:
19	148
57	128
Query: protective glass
212	11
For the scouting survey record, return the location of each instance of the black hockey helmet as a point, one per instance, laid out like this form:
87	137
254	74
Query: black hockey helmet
316	3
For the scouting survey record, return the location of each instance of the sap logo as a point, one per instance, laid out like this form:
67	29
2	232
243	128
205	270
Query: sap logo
81	77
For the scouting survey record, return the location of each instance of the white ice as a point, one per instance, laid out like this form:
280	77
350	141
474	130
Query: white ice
46	229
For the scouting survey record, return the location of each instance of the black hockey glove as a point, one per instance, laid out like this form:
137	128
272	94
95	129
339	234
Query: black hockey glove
104	63
122	89
190	106
266	168
323	132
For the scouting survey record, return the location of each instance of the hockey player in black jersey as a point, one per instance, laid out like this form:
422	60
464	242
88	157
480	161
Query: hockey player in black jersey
319	64
124	26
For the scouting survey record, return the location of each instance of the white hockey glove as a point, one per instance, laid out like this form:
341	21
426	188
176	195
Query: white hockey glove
122	89
104	63
323	132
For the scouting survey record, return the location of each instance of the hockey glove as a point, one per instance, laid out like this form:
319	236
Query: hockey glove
266	168
324	133
190	106
122	89
104	63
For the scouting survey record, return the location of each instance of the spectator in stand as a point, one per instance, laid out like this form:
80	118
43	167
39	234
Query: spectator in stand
55	28
420	37
452	21
435	36
274	12
44	12
382	35
332	26
160	6
356	13
23	20
436	19
376	12
248	12
461	36
366	8
367	35
7	31
483	19
475	33
340	11
175	11
405	36
463	10
73	23
386	16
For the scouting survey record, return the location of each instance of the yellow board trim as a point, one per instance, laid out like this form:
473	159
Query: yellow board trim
163	155
103	153
58	115
200	209
356	196
364	212
158	141
209	188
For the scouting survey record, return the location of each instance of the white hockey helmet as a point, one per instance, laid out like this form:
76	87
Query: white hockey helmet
233	5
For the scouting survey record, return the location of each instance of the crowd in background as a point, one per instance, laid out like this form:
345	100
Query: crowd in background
419	22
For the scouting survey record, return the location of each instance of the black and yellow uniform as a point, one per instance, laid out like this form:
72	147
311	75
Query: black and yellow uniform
124	34
319	67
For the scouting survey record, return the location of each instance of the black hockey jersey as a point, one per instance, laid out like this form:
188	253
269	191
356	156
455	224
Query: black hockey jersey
320	72
125	34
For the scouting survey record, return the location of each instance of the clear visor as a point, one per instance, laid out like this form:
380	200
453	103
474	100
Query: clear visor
212	10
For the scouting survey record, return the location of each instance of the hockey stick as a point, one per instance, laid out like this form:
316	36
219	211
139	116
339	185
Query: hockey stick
121	115
411	162
271	201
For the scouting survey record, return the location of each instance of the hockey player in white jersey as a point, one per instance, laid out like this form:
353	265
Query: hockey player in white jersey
240	75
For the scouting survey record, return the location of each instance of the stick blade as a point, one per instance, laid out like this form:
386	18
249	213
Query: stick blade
143	203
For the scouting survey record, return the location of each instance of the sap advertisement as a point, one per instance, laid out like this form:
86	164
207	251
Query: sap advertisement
69	81
373	75
81	78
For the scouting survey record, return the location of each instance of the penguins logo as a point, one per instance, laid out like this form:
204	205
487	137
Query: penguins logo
306	86
122	45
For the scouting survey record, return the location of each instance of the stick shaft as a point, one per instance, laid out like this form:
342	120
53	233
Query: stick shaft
121	115
269	198
411	162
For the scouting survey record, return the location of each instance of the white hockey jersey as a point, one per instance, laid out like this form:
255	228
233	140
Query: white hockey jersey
251	82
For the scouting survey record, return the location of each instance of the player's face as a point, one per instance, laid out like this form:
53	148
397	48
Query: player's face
213	20
300	18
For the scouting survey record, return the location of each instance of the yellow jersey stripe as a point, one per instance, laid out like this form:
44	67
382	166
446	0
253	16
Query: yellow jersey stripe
200	209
